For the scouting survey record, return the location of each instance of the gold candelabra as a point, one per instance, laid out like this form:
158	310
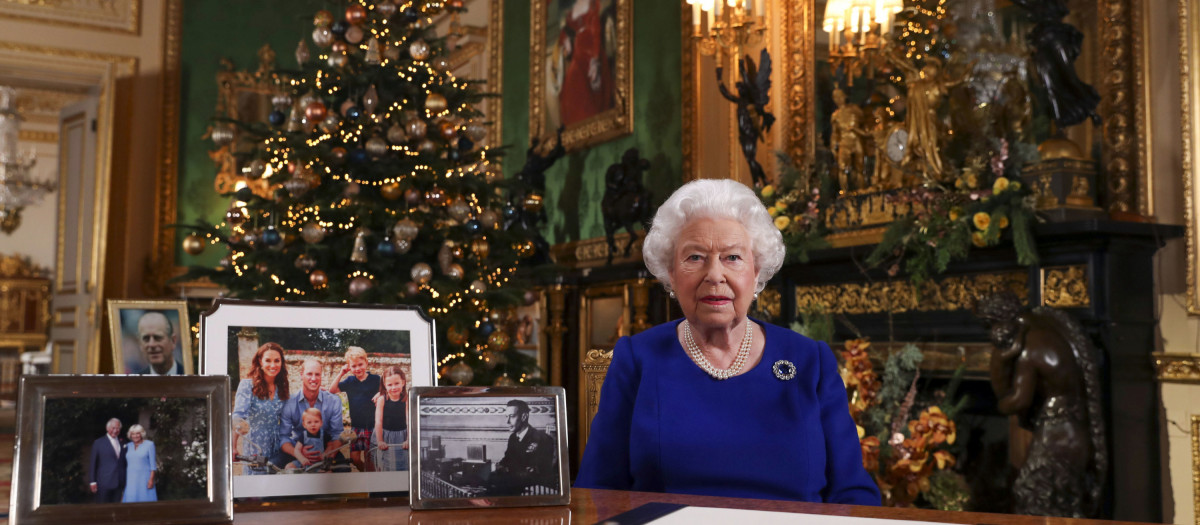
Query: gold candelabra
727	26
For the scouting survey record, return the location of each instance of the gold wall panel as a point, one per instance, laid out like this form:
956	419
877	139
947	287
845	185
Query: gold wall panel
1065	287
162	262
949	294
119	16
1176	368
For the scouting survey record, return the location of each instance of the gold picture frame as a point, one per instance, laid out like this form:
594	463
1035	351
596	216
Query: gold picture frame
598	93
1189	75
124	323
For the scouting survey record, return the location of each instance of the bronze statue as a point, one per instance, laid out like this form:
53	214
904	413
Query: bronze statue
626	201
846	141
1045	370
532	179
1056	45
754	92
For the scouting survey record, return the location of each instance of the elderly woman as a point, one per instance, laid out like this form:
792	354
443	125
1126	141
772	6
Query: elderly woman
141	465
718	403
258	404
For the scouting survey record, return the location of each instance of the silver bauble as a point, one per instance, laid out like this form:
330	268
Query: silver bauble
426	146
281	100
402	246
222	134
376	147
489	219
476	131
395	134
322	37
385	8
312	233
354	35
460	374
419	50
416	128
459	210
422	273
338	60
296	187
478	286
405	229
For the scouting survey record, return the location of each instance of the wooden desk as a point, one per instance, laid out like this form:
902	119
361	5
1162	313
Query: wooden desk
588	507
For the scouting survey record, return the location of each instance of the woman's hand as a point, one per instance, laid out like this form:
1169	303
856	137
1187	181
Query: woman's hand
383	446
150	484
404	445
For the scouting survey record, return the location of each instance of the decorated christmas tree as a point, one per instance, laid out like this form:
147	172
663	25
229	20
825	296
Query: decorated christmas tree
368	184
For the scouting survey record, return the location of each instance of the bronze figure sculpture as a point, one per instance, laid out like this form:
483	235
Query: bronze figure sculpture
626	201
753	94
1055	45
1045	370
532	181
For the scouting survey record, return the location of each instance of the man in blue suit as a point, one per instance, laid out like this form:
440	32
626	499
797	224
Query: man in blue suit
107	466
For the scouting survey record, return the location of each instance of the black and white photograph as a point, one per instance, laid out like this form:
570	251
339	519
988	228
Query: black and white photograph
129	442
320	402
489	446
150	337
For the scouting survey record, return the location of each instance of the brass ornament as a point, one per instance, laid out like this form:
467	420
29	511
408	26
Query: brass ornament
948	294
1176	368
193	244
1065	287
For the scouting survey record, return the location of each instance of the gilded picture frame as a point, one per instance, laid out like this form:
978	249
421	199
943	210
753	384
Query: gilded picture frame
581	71
191	483
138	336
1189	76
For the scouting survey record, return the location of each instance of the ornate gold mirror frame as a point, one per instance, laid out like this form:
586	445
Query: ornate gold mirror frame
1189	57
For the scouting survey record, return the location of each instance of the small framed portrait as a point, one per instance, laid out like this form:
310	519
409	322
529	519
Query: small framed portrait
488	447
150	337
320	393
122	449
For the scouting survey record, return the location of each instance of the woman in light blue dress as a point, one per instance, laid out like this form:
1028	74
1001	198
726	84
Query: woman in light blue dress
257	406
141	467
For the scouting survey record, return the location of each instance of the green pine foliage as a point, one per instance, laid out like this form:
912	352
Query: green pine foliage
369	185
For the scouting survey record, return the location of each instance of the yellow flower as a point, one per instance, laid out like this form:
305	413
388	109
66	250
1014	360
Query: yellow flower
1002	222
1015	185
1000	185
781	205
782	221
768	191
955	213
773	211
972	180
977	239
981	220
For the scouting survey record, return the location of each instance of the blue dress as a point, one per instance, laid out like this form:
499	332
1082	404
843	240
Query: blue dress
140	463
263	416
665	425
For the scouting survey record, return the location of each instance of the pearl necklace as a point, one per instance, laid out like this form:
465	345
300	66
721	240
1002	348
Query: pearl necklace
738	361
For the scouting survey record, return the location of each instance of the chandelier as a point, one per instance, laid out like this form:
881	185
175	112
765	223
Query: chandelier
16	189
727	25
857	29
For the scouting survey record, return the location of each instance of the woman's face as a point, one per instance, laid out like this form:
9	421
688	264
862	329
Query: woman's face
394	385
712	272
271	363
136	437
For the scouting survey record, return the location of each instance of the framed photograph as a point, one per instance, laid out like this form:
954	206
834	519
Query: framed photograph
122	449
307	415
488	447
150	337
581	79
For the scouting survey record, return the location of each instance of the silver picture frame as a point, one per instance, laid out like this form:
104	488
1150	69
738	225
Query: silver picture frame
465	451
48	489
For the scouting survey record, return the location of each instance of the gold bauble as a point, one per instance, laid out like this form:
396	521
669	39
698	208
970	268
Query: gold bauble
504	380
193	244
435	102
480	248
391	191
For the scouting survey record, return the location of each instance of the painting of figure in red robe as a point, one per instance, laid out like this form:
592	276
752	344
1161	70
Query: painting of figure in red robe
580	60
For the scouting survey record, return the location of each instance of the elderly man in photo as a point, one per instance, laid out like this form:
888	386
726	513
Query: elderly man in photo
529	458
291	421
157	340
107	465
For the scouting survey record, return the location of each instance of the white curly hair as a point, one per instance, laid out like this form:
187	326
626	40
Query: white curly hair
713	198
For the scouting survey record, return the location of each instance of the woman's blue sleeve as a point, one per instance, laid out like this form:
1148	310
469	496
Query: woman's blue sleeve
605	462
848	480
241	401
153	460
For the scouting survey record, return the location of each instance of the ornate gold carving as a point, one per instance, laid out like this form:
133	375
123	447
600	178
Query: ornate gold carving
595	368
162	263
1120	155
1065	287
589	253
799	62
608	124
495	69
120	16
768	306
1189	76
20	266
951	293
1177	368
1196	462
29	135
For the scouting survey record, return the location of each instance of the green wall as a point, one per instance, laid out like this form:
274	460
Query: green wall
232	29
575	185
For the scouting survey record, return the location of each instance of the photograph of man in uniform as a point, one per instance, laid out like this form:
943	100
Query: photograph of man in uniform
529	458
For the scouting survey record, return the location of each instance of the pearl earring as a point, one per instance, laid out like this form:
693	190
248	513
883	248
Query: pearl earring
755	296
672	294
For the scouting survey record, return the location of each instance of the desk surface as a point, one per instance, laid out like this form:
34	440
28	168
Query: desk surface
588	507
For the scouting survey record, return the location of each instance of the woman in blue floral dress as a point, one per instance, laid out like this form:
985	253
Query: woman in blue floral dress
257	406
141	467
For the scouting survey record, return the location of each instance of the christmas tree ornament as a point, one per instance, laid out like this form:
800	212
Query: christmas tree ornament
271	237
386	248
318	279
235	216
322	37
477	286
489	219
459	210
395	134
306	262
339	27
296	187
419	50
323	18
498	341
440	63
447	130
250	238
359	156
295	121
476	130
453	155
281	100
256	168
352	113
338	60
486	328
426	146
302	53
411	289
465	144
455	271
460	374
532	203
222	134
413	197
276	118
411	15
402	246
491	358
435	196
356	13
391	191
473	226
193	244
405	229
435	102
421	273
337	154
351	189
480	247
359	252
354	35
385	8
360	285
504	380
495	316
330	124
315	111
339	47
370	99
373	56
511	213
376	147
347	104
415	128
312	233
444	258
531	296
457	335
244	193
225	263
524	249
